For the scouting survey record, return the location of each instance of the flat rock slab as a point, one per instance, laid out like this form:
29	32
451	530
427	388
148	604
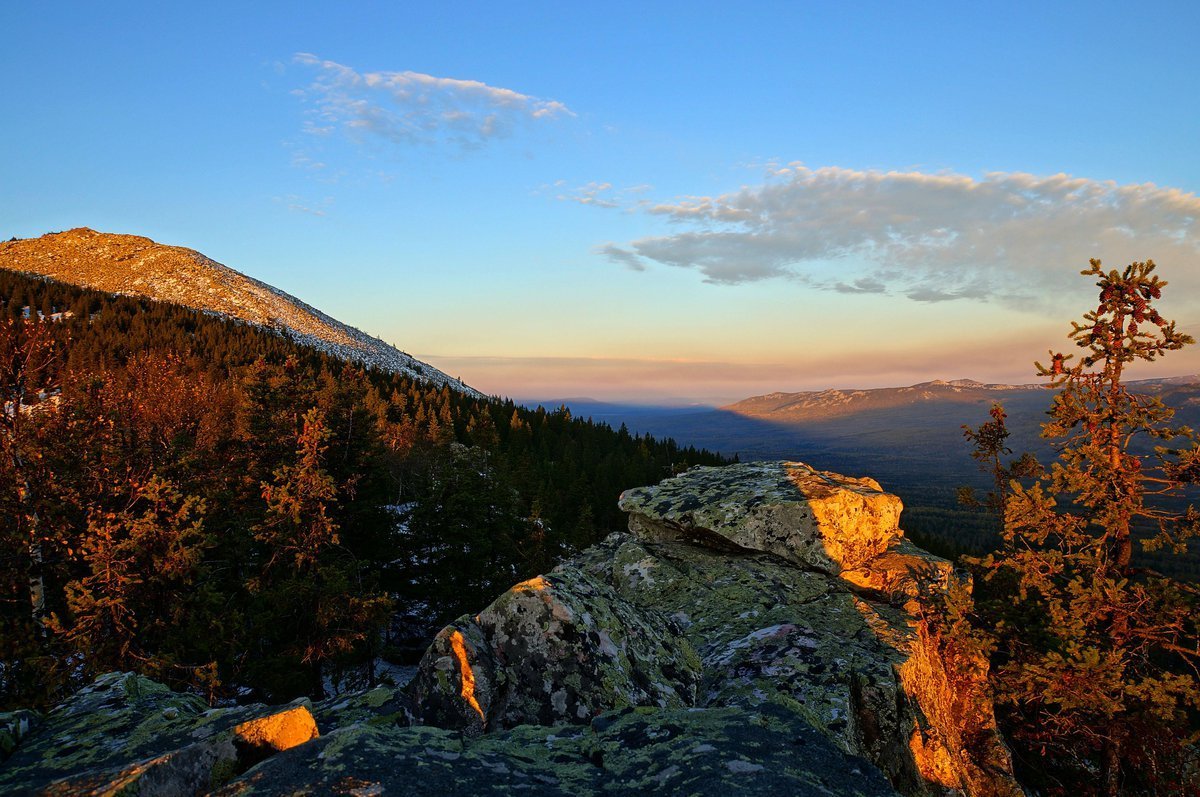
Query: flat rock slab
814	518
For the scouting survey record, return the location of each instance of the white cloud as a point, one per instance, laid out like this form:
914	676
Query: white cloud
1012	237
590	194
415	108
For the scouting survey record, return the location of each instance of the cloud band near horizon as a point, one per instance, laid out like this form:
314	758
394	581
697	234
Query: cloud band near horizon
1010	237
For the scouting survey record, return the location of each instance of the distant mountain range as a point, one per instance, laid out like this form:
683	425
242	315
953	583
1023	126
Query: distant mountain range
838	403
932	404
908	438
138	266
818	405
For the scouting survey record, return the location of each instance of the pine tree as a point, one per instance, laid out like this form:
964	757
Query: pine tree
135	608
1097	662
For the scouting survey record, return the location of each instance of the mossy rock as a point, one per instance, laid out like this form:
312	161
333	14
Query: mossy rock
126	733
715	752
813	518
558	648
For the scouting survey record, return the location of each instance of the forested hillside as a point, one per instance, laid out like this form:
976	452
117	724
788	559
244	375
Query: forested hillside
207	503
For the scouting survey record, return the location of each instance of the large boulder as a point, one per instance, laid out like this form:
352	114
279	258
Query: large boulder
557	648
830	620
769	584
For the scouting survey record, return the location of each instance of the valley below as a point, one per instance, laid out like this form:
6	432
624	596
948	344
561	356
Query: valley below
908	438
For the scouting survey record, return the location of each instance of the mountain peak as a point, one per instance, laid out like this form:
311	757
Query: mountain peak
139	266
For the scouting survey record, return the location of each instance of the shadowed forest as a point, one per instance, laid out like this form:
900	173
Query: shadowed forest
204	502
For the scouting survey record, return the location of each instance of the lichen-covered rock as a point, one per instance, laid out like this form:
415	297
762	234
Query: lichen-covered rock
901	573
851	652
761	630
768	631
810	517
381	705
128	733
717	752
558	648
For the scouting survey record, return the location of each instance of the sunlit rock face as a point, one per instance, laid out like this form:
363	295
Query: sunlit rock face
813	518
848	652
794	588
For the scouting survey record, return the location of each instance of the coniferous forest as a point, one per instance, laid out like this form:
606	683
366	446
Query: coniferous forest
207	503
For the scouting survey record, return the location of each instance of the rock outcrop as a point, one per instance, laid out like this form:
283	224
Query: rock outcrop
792	587
126	734
757	631
558	648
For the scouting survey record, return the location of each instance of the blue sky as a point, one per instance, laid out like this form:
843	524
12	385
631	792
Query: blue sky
667	201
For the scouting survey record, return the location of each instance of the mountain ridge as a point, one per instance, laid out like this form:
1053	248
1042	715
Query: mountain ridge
139	266
838	402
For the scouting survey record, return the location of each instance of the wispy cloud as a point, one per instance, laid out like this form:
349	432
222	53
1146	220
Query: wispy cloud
415	108
590	194
298	204
932	237
601	195
624	257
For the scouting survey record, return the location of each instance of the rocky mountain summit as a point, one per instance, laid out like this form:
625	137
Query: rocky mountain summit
138	266
760	629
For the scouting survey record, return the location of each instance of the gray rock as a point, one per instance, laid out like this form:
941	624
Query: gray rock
836	628
15	726
814	518
718	752
558	648
127	733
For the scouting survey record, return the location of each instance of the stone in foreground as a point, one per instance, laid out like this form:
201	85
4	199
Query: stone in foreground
718	752
127	734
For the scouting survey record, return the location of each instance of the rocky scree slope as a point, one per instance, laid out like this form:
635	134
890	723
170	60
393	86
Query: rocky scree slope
138	266
757	631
